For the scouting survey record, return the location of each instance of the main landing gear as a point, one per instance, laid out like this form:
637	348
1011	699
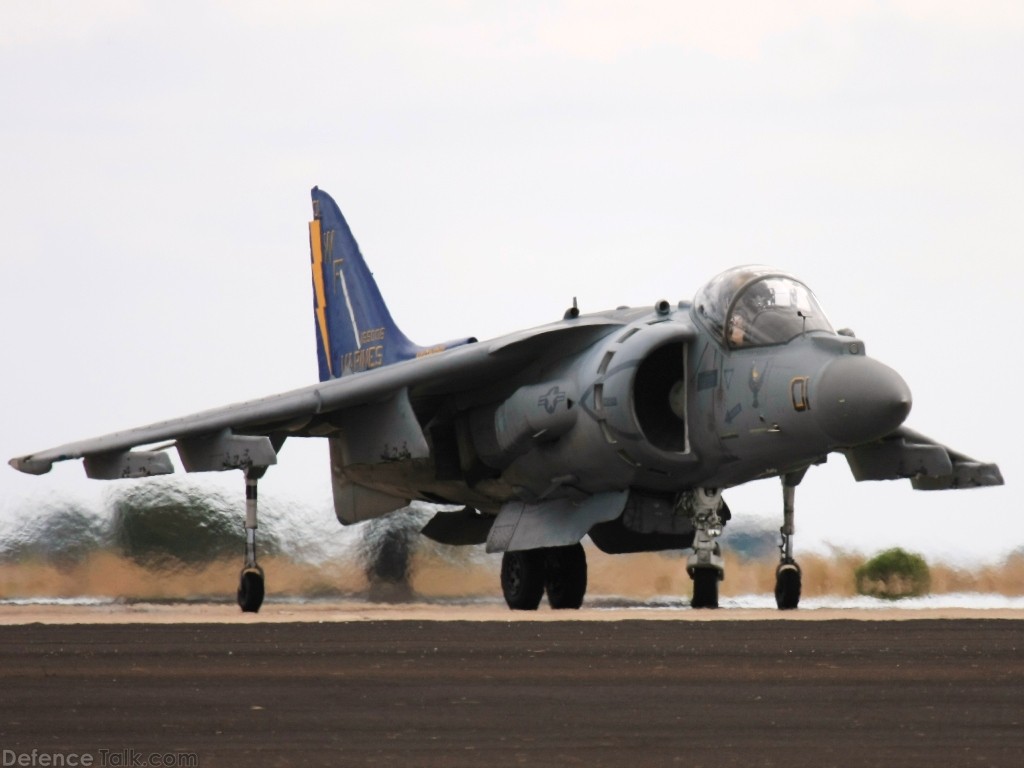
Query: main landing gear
250	585
560	571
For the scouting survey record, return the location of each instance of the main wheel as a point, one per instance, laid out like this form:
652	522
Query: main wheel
787	586
705	588
250	590
522	579
565	578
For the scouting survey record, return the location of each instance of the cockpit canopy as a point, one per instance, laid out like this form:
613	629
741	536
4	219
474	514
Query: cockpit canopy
757	306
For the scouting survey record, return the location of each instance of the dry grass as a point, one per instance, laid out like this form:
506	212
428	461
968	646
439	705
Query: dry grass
636	576
109	575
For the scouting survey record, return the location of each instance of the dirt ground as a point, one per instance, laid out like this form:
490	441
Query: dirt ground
398	685
129	612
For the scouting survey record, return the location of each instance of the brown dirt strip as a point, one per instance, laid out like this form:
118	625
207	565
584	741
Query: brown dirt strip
551	692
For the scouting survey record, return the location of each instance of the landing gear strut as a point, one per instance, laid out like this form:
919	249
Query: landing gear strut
250	585
704	566
560	571
787	575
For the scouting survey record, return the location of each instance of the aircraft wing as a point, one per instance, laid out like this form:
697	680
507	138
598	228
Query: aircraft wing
928	464
249	433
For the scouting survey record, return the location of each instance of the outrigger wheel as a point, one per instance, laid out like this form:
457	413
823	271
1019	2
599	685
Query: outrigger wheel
250	589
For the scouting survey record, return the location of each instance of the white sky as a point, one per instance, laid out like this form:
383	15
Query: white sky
495	160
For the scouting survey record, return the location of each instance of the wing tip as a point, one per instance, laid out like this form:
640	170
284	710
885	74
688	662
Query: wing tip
31	466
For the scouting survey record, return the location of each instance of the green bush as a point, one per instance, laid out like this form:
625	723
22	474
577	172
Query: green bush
893	574
158	524
60	533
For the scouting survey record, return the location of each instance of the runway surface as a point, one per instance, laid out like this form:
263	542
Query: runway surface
428	692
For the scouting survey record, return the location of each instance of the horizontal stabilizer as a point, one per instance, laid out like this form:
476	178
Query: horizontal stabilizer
897	459
929	465
965	474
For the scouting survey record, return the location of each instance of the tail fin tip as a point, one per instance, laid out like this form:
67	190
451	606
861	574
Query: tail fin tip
354	328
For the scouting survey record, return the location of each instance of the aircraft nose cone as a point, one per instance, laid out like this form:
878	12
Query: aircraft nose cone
858	399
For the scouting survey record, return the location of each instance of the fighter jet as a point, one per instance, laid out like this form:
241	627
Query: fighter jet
626	426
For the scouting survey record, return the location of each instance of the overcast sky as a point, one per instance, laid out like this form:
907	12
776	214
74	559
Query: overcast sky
495	160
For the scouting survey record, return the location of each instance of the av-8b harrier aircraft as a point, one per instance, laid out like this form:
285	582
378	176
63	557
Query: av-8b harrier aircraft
626	425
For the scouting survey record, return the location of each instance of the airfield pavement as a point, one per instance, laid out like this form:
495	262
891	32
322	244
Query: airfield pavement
430	685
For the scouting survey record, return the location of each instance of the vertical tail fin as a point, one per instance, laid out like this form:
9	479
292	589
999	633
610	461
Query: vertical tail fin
354	329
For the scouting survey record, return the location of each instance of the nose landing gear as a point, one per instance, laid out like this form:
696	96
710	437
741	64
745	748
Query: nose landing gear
787	574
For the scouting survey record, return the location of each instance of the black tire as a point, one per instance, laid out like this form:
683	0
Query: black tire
787	586
522	579
250	590
705	588
565	576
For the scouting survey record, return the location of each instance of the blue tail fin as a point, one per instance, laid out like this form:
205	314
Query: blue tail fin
354	329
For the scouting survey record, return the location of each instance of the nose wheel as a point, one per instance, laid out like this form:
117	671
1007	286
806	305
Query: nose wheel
787	586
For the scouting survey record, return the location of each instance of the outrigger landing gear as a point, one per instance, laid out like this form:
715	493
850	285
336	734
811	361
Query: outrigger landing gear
253	454
704	566
787	575
250	585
